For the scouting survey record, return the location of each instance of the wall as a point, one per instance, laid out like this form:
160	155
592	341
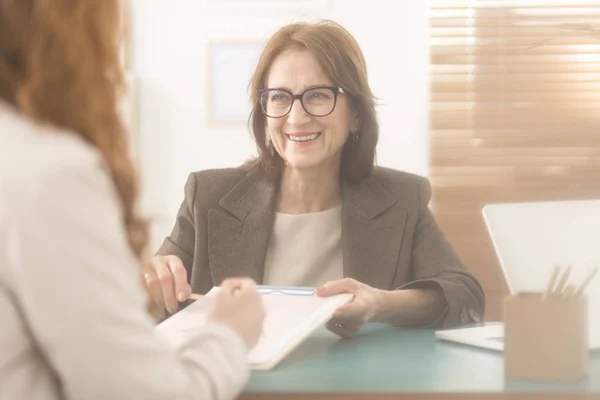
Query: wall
169	42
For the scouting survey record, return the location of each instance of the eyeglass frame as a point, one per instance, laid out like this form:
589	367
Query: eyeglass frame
335	89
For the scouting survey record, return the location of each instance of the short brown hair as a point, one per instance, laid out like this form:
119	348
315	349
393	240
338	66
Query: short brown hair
342	60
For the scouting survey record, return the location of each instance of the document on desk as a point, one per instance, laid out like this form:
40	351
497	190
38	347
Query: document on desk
292	315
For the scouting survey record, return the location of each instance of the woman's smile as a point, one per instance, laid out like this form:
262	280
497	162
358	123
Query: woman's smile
303	138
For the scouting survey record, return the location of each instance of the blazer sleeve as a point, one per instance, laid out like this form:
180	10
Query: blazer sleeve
435	264
183	236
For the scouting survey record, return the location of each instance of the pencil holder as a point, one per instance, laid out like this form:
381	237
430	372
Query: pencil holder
545	337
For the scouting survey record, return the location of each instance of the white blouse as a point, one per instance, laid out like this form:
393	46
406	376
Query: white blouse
305	249
73	320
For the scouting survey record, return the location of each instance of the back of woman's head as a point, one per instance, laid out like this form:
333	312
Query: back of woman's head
60	64
340	56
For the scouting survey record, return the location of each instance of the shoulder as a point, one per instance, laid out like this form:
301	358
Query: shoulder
49	181
209	186
402	184
394	177
219	177
35	156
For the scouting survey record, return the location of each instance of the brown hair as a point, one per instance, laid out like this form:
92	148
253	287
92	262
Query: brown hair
343	62
60	64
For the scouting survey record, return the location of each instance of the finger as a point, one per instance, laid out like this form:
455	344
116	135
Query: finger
346	330
153	287
339	286
182	288
242	282
350	310
246	291
238	286
167	287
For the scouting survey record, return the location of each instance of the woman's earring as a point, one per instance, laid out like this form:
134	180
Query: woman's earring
354	139
268	139
355	135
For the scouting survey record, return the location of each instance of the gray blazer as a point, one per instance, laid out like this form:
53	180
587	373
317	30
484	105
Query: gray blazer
390	239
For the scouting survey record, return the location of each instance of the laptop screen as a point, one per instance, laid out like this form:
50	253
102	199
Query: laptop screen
531	238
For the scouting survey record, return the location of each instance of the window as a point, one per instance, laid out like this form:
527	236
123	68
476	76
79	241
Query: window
515	115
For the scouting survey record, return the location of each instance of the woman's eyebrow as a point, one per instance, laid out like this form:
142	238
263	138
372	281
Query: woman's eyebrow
305	89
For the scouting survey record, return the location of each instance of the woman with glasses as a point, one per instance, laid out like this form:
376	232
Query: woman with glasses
74	321
312	209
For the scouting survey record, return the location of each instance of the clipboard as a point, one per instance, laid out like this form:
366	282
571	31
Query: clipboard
292	315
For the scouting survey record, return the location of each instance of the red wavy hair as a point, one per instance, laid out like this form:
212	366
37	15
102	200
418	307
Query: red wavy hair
60	64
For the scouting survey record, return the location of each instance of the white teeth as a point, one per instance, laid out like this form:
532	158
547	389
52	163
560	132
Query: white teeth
303	138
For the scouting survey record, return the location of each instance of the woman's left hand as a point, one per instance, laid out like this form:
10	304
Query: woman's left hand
349	318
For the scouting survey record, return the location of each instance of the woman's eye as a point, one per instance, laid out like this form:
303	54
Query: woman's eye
280	97
318	96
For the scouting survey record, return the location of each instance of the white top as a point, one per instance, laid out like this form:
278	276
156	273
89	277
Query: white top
72	308
305	249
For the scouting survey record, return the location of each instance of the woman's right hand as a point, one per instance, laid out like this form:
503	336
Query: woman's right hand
239	306
166	281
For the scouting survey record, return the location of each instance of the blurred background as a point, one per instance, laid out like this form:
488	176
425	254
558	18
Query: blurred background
493	101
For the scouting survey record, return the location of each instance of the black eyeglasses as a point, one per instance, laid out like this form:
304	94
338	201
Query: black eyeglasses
317	101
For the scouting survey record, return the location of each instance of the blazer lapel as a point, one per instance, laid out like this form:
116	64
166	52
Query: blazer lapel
372	231
238	232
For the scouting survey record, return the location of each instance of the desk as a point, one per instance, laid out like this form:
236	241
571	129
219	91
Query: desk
391	363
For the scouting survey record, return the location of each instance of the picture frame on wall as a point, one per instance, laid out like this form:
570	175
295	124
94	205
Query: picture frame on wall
231	64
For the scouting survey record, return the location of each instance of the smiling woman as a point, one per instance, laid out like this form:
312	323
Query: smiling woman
309	134
312	209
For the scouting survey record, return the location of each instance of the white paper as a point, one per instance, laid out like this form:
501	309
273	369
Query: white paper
289	320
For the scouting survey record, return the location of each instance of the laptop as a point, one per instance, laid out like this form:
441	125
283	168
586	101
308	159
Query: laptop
529	240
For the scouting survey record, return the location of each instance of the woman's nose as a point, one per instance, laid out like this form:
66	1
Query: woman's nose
297	114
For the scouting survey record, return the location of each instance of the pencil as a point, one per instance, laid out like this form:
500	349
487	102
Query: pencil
195	296
568	292
552	282
563	281
586	282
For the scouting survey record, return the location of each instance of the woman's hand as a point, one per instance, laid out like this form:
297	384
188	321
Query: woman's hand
349	318
239	306
166	281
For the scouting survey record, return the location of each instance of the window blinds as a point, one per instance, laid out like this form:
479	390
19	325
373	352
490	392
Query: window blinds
514	114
